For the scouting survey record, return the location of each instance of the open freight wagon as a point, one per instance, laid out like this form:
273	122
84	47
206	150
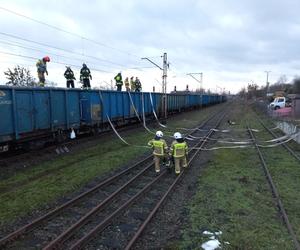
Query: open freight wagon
29	115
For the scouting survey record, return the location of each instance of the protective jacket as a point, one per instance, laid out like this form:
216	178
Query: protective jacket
138	84
132	84
179	148
118	79
41	66
126	83
85	73
69	74
159	146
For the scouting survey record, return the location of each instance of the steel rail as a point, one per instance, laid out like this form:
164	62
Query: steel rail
275	193
100	227
153	212
68	233
291	151
38	221
107	220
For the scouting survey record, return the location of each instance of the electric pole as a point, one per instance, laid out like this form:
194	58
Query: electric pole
164	85
164	81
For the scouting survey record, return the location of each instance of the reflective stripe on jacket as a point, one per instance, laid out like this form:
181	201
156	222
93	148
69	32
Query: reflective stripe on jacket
159	146
85	73
179	149
69	75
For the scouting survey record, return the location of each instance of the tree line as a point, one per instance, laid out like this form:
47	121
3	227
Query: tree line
281	86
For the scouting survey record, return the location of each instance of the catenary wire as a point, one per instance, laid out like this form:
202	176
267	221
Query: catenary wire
63	56
61	63
57	48
68	32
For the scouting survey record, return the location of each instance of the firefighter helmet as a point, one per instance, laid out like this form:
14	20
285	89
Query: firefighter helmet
159	134
177	135
46	59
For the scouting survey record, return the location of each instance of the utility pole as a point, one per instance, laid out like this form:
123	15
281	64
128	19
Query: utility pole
164	85
164	82
267	83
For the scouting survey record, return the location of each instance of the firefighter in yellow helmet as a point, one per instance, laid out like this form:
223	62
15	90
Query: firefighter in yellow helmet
179	151
160	149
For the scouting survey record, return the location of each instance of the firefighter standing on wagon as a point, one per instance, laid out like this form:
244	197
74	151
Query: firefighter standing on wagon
85	76
160	149
179	151
138	85
119	81
132	84
69	75
42	69
126	82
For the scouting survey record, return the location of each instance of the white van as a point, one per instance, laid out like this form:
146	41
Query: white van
278	103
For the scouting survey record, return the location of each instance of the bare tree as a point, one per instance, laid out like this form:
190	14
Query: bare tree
252	90
282	79
242	93
20	77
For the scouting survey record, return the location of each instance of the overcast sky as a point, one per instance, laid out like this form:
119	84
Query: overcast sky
232	42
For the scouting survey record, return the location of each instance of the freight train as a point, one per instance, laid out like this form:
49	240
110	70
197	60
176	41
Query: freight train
29	116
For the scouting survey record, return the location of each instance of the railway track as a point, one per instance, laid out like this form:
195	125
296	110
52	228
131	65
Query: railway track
152	194
77	212
275	193
274	135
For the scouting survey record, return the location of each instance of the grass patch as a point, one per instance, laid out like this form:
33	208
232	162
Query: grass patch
233	196
34	194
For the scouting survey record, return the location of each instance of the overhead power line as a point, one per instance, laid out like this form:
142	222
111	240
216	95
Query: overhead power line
61	63
65	63
57	48
124	67
49	53
68	32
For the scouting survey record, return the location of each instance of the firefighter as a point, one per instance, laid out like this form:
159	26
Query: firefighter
85	76
132	84
42	69
119	81
126	82
69	75
179	151
138	85
160	150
